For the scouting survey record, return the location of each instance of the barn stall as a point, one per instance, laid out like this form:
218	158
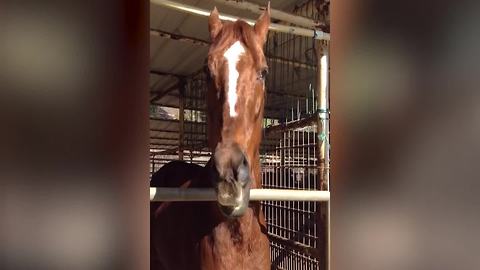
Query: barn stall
295	146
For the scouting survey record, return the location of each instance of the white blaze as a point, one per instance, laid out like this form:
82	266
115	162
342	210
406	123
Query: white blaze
233	55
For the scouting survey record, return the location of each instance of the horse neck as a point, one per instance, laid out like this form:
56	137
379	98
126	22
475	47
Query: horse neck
236	233
256	171
254	153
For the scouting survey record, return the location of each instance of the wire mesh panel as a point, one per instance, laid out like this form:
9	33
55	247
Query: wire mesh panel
180	132
292	164
297	230
285	257
195	125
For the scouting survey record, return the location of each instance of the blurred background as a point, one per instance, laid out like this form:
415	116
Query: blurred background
404	129
73	168
405	125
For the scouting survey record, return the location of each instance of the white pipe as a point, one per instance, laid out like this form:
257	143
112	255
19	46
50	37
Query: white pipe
274	13
317	34
205	194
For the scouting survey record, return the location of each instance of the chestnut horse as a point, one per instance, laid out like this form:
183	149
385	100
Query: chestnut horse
229	233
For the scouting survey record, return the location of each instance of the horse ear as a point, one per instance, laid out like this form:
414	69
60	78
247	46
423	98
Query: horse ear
262	24
214	23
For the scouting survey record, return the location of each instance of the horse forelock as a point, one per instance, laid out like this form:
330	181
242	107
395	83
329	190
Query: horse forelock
238	31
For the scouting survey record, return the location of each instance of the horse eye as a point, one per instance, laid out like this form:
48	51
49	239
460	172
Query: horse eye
263	74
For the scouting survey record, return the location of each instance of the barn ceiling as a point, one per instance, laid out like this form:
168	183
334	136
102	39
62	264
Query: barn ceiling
170	58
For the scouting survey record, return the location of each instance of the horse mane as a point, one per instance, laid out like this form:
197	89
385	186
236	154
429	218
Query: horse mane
242	31
176	173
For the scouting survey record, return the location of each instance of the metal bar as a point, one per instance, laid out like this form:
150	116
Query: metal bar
314	33
286	61
175	139
181	118
175	121
165	34
185	147
313	252
323	139
165	151
274	13
305	122
164	73
159	94
204	194
201	42
326	120
268	109
176	131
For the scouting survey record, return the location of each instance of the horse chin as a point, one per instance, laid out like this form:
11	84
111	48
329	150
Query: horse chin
233	199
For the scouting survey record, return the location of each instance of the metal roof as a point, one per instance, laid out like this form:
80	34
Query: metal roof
184	58
178	57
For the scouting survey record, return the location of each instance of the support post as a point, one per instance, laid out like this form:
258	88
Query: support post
323	145
181	117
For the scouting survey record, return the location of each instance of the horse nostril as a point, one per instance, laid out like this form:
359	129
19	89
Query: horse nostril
245	162
231	164
243	174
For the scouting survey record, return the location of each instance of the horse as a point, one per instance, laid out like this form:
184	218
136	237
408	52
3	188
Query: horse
229	233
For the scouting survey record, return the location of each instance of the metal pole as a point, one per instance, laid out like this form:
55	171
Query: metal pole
200	42
323	133
208	194
181	118
274	13
317	34
153	164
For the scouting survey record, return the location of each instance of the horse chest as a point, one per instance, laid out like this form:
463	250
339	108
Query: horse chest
234	246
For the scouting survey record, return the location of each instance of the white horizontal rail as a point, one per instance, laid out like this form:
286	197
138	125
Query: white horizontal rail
208	194
273	26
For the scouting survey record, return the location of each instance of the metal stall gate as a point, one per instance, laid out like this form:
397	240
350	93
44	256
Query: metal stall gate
178	131
299	157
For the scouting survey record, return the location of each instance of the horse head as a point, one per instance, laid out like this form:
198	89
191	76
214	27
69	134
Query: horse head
235	101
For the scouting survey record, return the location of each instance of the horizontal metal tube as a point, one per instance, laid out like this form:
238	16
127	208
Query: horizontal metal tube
274	13
317	34
205	194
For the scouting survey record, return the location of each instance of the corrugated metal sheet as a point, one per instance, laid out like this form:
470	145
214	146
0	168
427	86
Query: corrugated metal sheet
185	58
181	57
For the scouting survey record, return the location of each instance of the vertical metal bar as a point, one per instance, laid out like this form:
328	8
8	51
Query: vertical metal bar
326	64
291	172
323	137
152	164
181	121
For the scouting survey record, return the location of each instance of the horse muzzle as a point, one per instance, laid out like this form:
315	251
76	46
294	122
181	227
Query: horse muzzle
233	182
